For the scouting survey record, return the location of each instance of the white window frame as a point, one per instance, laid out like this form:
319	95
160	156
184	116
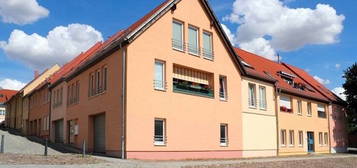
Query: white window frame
252	103
326	138
182	36
299	107
309	109
321	139
291	138
197	37
163	142
225	143
301	138
211	41
163	82
283	137
262	99
224	85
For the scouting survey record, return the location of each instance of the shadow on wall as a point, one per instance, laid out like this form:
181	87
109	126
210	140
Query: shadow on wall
340	134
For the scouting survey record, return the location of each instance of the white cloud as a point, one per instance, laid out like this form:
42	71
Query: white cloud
229	34
322	81
21	11
58	47
261	47
286	29
11	84
340	91
338	66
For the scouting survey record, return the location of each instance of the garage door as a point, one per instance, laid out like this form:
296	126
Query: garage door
99	133
59	131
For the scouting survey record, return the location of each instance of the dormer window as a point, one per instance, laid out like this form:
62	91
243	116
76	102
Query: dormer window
287	77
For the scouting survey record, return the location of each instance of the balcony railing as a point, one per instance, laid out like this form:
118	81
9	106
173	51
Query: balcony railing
178	45
192	89
160	85
193	49
321	114
207	53
285	109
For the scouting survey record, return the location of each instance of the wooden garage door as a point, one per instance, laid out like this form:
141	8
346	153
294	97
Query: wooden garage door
59	131
99	133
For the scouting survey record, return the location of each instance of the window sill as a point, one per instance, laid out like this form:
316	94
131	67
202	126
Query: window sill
97	95
160	144
291	146
223	99
252	107
264	109
194	54
299	114
209	59
160	89
309	115
178	49
283	146
223	145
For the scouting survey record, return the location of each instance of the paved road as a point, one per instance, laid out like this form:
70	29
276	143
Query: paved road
21	145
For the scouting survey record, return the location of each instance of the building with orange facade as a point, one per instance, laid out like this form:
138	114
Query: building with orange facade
5	95
171	86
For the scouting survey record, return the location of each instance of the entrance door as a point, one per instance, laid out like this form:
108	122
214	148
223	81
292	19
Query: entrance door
310	142
59	131
99	133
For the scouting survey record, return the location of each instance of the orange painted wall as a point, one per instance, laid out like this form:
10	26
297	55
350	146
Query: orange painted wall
59	112
338	129
108	103
296	122
193	122
38	111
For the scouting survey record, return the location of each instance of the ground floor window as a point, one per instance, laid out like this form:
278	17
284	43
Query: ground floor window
320	139
301	138
159	137
291	138
325	138
224	134
283	137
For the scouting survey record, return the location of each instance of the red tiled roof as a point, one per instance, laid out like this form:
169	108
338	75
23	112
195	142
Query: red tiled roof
317	85
265	66
6	95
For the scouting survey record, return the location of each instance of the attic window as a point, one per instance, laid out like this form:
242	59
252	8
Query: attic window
246	64
1	95
287	77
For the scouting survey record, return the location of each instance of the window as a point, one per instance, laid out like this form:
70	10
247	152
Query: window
207	46
177	36
309	109
193	82
224	135
301	138
193	40
223	87
299	104
73	93
98	81
291	138
262	98
325	138
321	111
159	81
320	139
285	104
159	137
252	96
283	137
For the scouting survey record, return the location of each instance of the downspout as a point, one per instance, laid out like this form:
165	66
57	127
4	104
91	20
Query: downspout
329	131
50	114
123	104
277	118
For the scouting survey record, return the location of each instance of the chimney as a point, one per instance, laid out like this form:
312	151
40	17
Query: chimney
35	74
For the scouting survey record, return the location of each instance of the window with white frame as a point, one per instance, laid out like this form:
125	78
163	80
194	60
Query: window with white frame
299	105
177	35
207	45
224	135
159	81
325	138
193	40
283	137
291	138
309	109
301	138
252	100
321	111
262	98
320	139
285	104
159	132
223	87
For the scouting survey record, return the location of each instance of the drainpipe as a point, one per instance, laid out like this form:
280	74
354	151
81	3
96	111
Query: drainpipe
277	118
50	113
328	120
123	104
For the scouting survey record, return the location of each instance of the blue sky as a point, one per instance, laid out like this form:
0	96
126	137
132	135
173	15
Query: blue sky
109	16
